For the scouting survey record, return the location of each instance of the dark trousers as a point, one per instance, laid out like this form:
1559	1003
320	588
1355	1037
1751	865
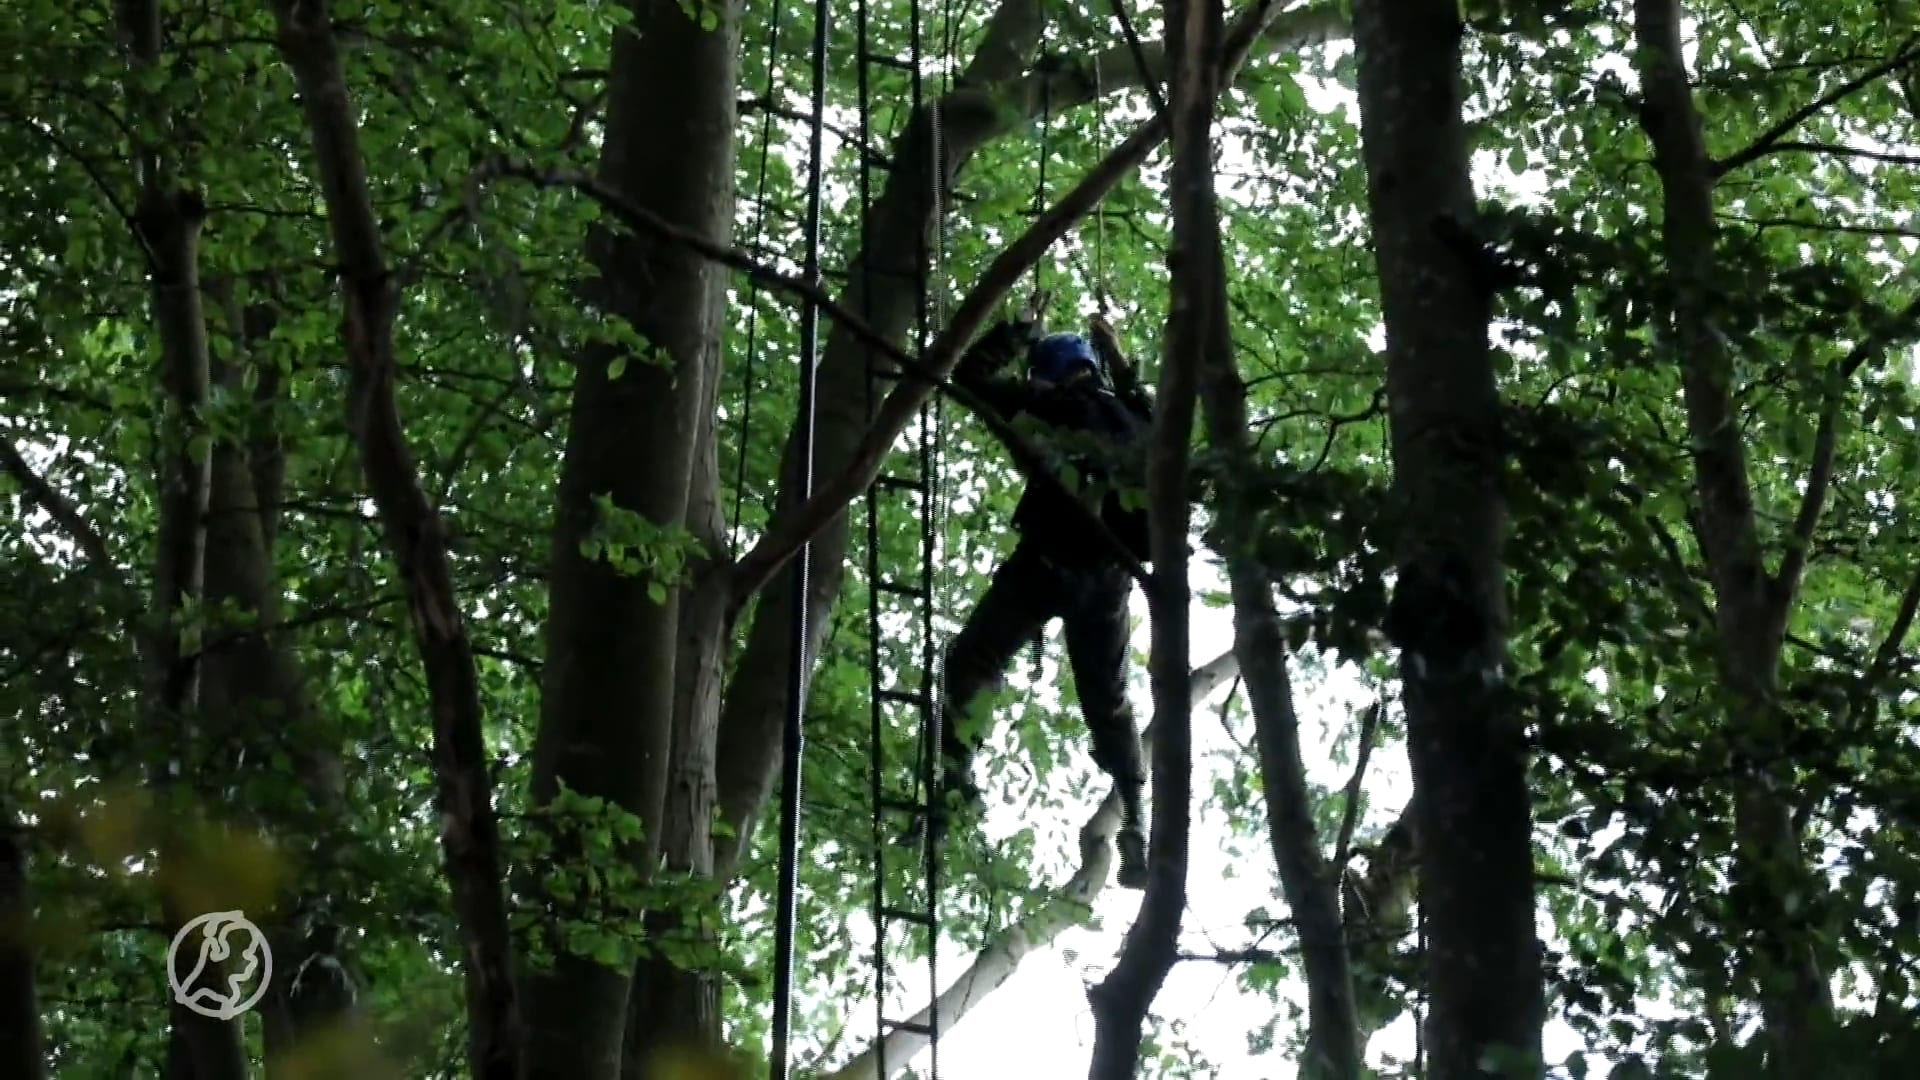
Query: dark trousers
1027	592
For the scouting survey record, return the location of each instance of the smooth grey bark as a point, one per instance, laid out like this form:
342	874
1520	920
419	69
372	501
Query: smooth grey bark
670	1005
1448	613
608	690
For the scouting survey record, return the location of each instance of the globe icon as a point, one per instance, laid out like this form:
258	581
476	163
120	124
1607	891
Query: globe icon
196	956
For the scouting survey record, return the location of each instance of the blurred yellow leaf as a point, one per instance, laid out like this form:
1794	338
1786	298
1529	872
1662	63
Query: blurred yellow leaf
691	1063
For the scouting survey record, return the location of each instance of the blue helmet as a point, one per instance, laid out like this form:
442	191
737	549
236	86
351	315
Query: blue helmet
1057	356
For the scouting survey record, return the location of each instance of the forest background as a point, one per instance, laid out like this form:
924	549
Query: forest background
400	412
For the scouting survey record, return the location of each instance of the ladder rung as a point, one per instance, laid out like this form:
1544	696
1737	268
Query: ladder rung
900	483
907	697
884	60
894	588
900	914
909	1026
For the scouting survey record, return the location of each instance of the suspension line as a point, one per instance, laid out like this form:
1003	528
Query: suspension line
793	736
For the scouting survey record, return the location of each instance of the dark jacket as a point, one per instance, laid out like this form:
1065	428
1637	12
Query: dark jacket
1100	432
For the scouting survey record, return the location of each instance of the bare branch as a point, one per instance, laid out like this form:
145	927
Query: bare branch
758	566
1839	150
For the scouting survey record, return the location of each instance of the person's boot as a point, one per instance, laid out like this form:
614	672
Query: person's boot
1131	840
1133	858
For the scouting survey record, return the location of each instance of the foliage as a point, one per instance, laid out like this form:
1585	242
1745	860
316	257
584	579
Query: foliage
1613	644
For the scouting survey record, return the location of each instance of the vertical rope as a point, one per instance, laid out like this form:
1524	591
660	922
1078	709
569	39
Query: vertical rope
1040	187
793	741
1100	212
876	712
741	443
933	299
1420	1002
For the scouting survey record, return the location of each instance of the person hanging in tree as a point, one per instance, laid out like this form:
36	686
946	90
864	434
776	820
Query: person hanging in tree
1096	416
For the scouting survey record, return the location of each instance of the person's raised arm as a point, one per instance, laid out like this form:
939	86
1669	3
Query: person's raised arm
980	366
1120	370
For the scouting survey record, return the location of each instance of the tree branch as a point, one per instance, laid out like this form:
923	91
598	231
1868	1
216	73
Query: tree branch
1066	907
1074	85
750	576
60	508
1195	328
1350	814
1826	441
1771	138
416	536
1141	66
785	534
1839	150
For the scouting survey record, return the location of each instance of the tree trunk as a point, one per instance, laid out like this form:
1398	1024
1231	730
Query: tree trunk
256	702
1333	1038
1752	607
416	537
672	1007
20	1052
167	222
1448	611
1196	330
608	724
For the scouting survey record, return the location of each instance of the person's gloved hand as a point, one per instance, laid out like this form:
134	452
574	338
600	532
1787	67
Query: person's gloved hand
1007	341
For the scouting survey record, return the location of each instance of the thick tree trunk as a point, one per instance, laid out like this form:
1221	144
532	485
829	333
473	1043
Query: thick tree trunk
20	1053
1196	331
1752	606
416	537
608	723
167	221
1448	612
672	1007
255	701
